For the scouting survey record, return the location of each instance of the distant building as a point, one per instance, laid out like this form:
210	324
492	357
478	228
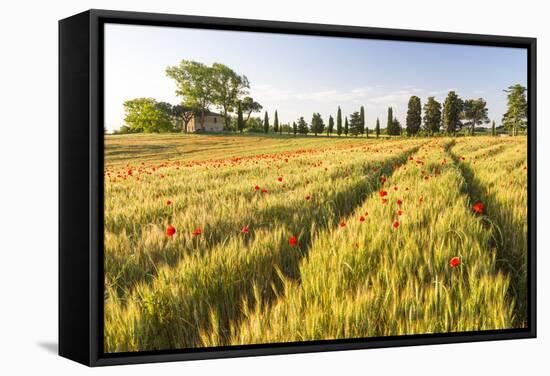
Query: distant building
213	122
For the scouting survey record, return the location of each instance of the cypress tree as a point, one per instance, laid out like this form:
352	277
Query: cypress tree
330	127
432	116
302	126
294	128
414	116
362	117
452	111
493	129
389	125
276	123
266	123
377	128
339	121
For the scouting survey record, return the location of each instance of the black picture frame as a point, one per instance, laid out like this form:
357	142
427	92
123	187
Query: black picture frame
81	185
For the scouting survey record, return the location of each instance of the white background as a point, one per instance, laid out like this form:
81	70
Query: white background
28	186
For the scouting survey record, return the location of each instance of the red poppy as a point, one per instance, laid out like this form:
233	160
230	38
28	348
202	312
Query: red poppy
454	262
366	213
411	158
257	187
400	212
264	190
383	193
244	230
399	202
362	219
292	241
396	224
383	180
384	200
168	202
130	172
307	198
478	207
170	230
342	224
421	199
280	178
395	188
197	232
426	177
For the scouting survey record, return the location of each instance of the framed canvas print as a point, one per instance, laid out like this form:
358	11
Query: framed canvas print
236	187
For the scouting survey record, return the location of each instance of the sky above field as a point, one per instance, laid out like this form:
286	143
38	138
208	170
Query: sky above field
300	75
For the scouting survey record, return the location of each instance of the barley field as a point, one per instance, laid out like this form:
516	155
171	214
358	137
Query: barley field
216	240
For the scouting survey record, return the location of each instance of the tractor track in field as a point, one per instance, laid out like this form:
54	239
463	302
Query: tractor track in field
495	219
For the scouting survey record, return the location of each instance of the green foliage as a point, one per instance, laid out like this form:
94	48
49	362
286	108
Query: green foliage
294	128
452	112
355	124
475	113
249	106
240	120
414	116
346	127
339	122
394	127
276	122
147	115
227	87
493	129
302	126
377	128
184	113
515	117
330	127
317	124
194	83
266	123
362	124
432	116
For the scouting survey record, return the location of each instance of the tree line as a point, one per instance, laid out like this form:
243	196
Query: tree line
202	87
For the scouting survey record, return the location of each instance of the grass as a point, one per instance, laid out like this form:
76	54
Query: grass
344	277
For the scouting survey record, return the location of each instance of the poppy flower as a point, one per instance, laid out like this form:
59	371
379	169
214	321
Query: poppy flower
197	232
362	218
129	172
168	202
411	158
384	200
426	177
170	230
421	199
383	193
366	213
399	202
400	212
383	180
280	178
292	241
342	224
478	207
264	190
395	188
454	262
257	188
396	224
244	230
308	198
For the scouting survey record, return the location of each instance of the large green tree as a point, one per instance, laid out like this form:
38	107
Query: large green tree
302	126
414	116
184	113
194	84
355	123
317	124
339	122
227	88
147	115
475	113
452	113
392	127
432	116
249	106
515	117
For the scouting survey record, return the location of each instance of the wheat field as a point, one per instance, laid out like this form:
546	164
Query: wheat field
216	240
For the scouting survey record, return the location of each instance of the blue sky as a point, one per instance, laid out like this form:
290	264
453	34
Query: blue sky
299	75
